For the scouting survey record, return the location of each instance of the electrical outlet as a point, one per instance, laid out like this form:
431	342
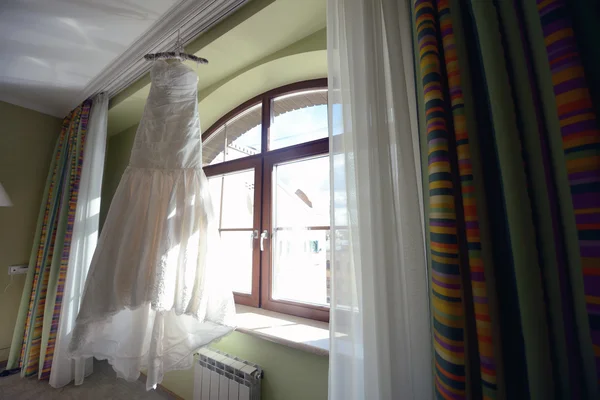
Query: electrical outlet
17	269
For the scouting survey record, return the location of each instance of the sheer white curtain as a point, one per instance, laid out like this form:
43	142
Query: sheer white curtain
380	321
85	235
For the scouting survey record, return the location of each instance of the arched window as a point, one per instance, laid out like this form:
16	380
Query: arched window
268	167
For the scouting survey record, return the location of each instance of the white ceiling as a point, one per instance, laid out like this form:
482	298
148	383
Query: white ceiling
51	49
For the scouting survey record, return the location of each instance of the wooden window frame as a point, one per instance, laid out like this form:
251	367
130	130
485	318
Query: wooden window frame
239	165
287	154
263	164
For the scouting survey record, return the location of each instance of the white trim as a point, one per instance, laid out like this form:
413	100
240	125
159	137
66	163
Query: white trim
295	332
190	17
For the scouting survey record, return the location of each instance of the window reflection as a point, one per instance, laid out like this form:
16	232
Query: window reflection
238	138
301	253
298	118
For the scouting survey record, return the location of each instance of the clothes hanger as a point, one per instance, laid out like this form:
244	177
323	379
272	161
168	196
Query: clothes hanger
176	54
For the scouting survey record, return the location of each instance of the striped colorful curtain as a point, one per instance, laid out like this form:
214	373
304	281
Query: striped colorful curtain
509	97
35	332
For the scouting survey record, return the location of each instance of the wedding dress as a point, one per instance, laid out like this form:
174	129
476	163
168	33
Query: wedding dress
155	291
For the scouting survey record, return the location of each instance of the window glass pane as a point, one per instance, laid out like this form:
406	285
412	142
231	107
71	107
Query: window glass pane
238	138
233	199
212	148
301	266
301	201
215	185
237	257
298	118
233	204
302	193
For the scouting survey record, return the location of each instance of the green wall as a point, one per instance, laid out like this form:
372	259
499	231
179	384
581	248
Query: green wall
290	374
27	140
117	157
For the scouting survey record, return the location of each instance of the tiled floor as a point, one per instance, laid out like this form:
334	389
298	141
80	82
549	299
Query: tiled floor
102	384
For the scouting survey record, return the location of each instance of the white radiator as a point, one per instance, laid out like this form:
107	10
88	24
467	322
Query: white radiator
219	376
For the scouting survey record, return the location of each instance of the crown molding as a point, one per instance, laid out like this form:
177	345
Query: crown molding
190	17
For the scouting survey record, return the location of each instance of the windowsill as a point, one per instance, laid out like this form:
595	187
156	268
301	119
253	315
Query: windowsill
288	330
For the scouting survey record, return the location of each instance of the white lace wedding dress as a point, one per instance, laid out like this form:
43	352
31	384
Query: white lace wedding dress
155	291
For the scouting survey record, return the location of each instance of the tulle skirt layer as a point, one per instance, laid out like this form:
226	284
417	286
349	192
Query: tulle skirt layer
155	290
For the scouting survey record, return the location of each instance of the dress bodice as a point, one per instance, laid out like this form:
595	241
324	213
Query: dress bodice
174	75
168	136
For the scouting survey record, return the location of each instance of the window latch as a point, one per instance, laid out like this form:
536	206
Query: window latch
264	235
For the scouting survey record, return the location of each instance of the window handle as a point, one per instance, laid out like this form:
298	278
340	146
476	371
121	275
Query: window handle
264	235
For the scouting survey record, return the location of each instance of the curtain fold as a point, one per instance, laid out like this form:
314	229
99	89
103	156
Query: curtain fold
34	340
380	323
83	243
510	148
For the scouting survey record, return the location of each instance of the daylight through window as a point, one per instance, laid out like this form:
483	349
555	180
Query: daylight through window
268	166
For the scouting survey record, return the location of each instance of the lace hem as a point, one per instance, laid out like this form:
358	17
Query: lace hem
180	365
160	349
78	341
